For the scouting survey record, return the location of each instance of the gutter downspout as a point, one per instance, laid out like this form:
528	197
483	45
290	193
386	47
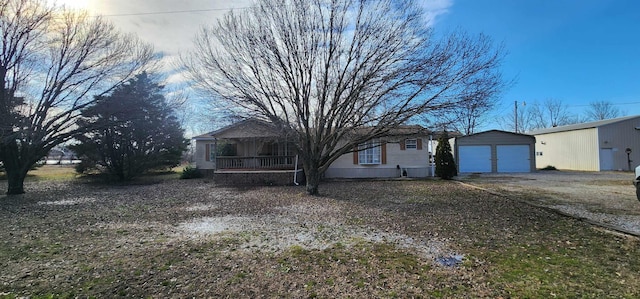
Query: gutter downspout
432	164
295	173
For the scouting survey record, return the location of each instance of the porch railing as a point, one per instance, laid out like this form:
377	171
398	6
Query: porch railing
257	162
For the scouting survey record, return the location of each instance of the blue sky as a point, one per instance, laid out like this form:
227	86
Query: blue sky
573	51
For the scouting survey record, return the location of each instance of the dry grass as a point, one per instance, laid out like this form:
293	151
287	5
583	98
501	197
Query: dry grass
171	238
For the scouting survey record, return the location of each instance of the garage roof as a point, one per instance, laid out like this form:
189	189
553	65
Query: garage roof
494	131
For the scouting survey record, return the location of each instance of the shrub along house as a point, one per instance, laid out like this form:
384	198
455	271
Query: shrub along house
254	152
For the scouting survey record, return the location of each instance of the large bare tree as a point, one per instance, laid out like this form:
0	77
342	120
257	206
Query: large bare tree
52	63
321	69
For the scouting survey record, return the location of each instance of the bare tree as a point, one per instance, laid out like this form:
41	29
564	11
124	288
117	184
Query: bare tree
600	110
52	63
519	119
467	116
323	69
551	113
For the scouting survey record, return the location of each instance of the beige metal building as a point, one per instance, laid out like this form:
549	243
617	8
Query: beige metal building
495	151
594	146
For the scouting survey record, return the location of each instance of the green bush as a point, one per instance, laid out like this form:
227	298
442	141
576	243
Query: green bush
190	173
549	167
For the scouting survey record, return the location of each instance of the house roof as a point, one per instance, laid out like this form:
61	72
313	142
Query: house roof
405	130
495	131
255	128
589	125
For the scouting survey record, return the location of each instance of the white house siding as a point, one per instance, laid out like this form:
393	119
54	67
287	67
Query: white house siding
201	152
414	161
575	150
618	137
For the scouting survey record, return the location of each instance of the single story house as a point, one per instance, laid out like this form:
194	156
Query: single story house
255	152
406	152
612	144
495	151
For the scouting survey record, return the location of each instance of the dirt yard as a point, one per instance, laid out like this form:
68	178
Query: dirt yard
166	238
607	198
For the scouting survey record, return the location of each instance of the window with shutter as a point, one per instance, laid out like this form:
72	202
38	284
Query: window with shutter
411	144
369	153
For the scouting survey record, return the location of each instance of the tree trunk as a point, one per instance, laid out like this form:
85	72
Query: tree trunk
15	178
17	162
312	175
15	182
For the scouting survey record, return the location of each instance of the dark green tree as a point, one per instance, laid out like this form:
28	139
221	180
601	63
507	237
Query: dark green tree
445	164
131	131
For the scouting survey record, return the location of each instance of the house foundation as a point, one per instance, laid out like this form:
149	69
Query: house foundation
259	177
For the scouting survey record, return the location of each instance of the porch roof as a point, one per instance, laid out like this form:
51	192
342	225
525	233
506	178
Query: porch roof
249	128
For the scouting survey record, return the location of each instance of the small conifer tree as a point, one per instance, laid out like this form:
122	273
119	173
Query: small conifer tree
445	164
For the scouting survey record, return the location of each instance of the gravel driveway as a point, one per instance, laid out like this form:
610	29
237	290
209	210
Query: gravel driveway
605	198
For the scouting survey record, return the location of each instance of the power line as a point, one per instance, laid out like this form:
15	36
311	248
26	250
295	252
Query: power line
615	104
172	12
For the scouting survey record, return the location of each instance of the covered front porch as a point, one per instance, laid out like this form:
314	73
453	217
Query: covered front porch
249	152
267	161
256	163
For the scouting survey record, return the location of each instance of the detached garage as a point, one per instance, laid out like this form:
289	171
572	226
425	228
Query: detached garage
495	151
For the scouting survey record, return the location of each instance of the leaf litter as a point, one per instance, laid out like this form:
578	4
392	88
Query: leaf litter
192	238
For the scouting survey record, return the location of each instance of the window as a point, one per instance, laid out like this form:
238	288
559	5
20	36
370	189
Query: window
369	153
211	153
282	149
411	144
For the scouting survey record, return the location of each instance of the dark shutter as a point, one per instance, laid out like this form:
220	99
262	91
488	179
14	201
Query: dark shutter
383	153
355	155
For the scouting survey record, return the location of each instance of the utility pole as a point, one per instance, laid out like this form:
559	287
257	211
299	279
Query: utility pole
516	114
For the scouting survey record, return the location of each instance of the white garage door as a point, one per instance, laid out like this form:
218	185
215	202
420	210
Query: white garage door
474	158
513	158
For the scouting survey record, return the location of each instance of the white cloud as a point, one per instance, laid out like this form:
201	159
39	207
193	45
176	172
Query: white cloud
434	8
168	24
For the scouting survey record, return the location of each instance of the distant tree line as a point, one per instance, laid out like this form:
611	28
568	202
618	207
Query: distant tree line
553	113
468	116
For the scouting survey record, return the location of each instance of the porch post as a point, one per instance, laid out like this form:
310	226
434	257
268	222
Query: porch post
215	154
255	153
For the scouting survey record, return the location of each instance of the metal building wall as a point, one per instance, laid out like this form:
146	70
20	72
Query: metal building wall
618	137
575	150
